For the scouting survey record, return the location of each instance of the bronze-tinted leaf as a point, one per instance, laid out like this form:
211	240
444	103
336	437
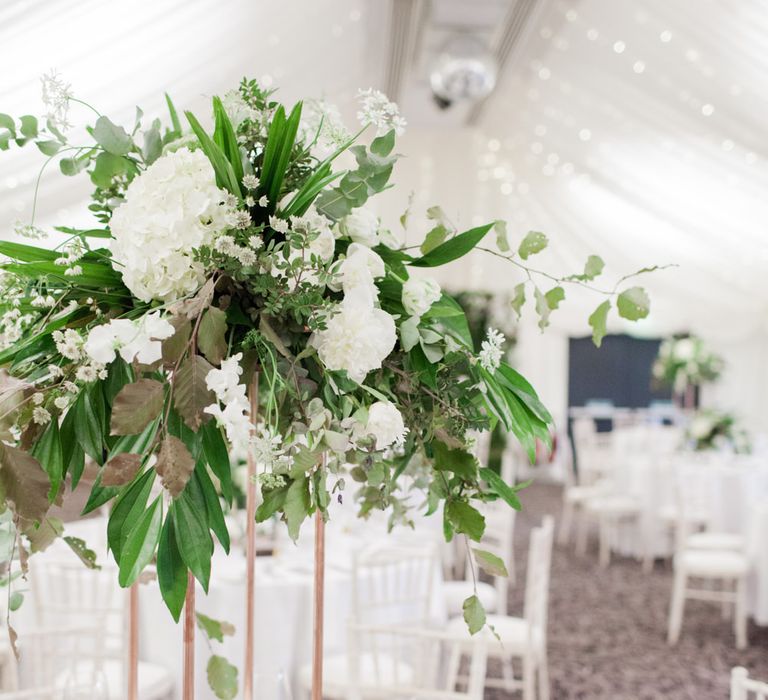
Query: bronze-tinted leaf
192	308
211	336
190	393
24	482
174	465
174	346
121	469
43	535
136	406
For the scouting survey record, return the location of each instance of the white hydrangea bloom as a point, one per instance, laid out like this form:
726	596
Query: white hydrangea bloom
362	226
357	338
419	294
170	210
138	339
385	423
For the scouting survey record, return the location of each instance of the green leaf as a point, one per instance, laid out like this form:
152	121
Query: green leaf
225	175
466	519
490	563
409	333
593	267
297	504
516	383
127	510
518	299
458	461
140	544
171	571
213	506
211	336
174	115
23	483
107	167
214	629
112	138
502	240
217	457
500	487
456	247
153	143
225	137
434	238
474	614
273	500
534	242
554	296
191	394
174	465
383	145
136	406
277	175
7	122
15	601
546	303
633	303
82	551
48	148
49	453
190	523
29	126
73	456
222	678
597	322
88	427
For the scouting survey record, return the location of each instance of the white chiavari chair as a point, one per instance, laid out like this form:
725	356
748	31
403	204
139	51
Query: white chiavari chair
377	651
498	539
520	638
392	586
66	593
745	688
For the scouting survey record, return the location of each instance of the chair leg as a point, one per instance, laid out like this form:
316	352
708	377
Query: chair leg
582	533
605	541
544	677
677	606
740	614
508	674
529	678
566	523
454	665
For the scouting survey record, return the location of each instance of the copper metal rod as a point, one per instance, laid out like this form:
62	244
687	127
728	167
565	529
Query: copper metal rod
250	549
133	642
317	640
189	640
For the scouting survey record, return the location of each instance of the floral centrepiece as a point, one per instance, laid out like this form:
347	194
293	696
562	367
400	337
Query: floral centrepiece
219	260
684	362
713	430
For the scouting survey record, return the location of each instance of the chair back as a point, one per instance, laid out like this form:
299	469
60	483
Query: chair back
497	539
694	500
46	655
410	662
393	584
66	593
745	688
537	577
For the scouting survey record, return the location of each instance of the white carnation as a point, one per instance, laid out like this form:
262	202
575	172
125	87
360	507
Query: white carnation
170	210
358	338
419	294
385	423
362	226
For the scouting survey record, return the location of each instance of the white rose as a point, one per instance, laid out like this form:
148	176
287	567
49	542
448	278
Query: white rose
419	294
356	273
385	423
684	349
701	427
357	338
362	226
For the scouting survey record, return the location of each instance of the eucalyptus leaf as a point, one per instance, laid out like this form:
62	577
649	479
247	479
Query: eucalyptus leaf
534	242
112	138
597	321
633	304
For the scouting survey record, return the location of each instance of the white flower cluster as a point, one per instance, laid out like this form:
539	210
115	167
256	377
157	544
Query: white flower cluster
492	350
170	210
385	423
322	127
29	231
138	339
419	294
320	244
73	253
376	109
225	384
56	97
237	109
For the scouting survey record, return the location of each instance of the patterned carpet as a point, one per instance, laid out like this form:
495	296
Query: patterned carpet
607	627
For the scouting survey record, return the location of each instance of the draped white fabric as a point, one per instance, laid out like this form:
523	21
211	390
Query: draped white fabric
632	130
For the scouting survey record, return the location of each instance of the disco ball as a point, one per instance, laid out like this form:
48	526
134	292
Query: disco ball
464	70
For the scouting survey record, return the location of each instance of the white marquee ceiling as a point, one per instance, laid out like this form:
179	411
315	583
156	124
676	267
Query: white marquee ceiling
630	129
